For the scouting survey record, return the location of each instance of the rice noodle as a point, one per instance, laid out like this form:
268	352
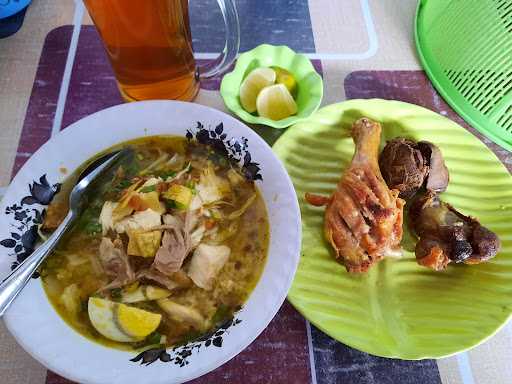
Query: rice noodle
96	265
40	233
224	234
76	259
175	162
179	174
239	212
155	164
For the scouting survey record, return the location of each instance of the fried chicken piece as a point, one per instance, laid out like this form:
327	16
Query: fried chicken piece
363	218
407	165
446	235
403	166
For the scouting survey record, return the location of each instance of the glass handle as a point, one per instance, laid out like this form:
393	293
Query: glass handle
228	54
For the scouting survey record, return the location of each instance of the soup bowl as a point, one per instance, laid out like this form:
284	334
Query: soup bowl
43	333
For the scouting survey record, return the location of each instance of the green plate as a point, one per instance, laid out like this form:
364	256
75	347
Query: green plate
400	309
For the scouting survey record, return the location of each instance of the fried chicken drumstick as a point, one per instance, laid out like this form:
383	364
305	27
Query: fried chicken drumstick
363	217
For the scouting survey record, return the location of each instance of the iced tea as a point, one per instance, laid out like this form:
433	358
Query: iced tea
149	45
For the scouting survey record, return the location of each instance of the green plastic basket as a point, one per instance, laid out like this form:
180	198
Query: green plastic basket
465	47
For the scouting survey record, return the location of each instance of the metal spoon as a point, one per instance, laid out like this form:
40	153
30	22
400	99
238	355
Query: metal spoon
16	281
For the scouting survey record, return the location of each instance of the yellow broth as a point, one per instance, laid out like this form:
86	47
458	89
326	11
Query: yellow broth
76	260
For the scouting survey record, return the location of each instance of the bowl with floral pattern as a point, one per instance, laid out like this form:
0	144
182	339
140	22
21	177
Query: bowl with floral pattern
35	323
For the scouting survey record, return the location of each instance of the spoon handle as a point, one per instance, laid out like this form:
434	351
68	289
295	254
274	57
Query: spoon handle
16	281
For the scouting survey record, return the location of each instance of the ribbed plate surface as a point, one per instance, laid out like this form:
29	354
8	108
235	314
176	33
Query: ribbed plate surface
400	309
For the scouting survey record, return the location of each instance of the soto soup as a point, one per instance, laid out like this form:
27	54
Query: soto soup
169	248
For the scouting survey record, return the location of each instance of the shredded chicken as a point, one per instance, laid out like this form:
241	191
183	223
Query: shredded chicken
70	298
182	314
173	251
179	239
206	263
171	220
144	220
196	236
211	187
196	203
175	280
115	263
106	218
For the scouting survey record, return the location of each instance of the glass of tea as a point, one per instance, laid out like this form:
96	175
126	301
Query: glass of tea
149	45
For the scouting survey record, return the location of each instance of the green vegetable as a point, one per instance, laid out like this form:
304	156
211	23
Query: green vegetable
153	339
190	336
92	227
170	204
121	185
218	159
191	185
88	222
165	174
132	169
116	293
149	188
222	314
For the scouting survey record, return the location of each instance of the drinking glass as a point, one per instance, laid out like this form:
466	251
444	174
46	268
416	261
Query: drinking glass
149	45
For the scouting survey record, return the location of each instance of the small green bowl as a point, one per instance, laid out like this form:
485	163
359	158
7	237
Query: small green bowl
309	83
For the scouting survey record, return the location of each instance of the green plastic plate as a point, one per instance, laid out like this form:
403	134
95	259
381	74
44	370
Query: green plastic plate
309	83
400	309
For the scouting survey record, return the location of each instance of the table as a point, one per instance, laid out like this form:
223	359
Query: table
54	72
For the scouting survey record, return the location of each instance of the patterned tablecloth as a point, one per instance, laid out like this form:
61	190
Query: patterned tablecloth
54	72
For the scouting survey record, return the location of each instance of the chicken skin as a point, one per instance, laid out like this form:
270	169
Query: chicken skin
363	217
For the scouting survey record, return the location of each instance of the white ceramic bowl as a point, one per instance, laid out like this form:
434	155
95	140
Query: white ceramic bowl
39	329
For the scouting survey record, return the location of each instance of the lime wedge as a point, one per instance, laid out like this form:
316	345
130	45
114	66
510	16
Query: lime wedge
258	79
275	102
286	78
